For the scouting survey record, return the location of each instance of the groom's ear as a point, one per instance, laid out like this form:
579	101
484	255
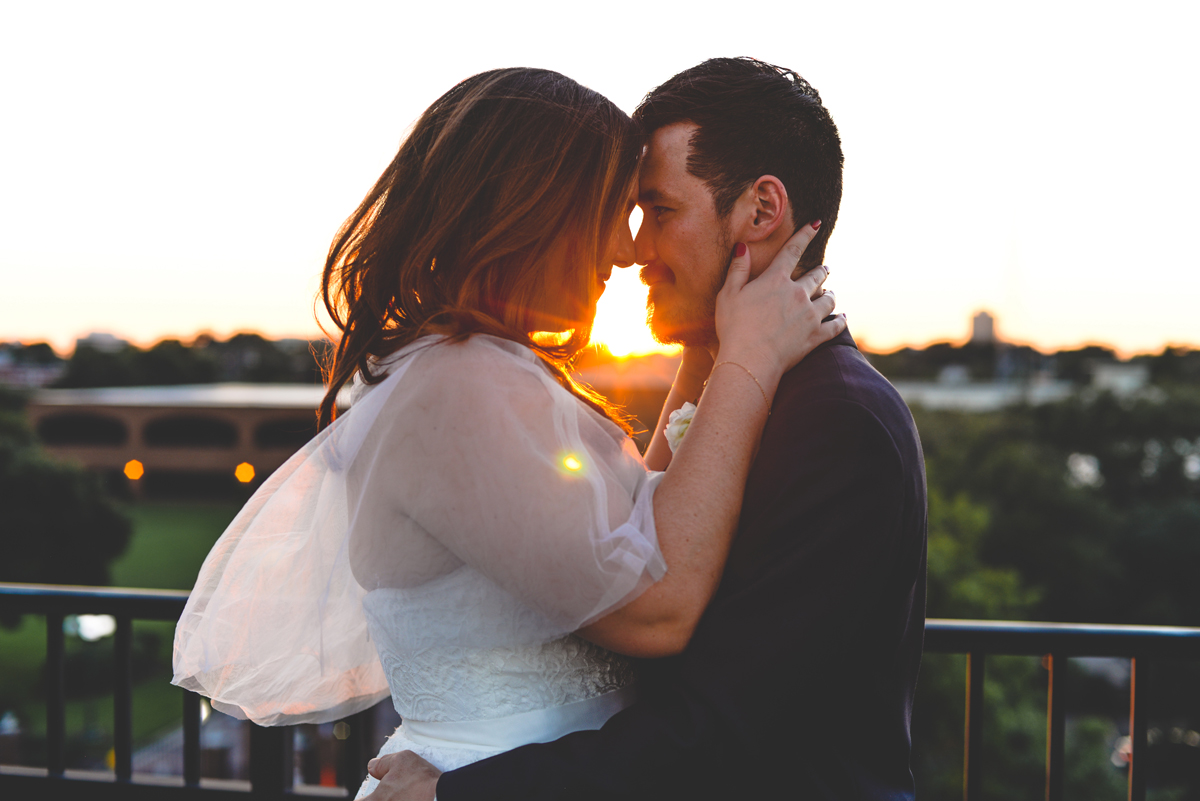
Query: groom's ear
764	208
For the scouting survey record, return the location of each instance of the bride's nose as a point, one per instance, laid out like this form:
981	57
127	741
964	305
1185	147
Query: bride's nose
625	253
643	245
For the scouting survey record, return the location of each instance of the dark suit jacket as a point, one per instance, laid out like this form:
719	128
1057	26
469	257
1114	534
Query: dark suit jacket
799	680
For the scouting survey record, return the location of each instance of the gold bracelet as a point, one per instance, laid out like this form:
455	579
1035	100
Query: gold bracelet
762	391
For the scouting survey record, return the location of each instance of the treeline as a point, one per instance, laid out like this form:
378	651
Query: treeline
243	357
1001	361
253	358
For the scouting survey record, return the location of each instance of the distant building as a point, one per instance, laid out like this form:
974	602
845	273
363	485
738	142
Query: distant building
29	376
29	367
101	341
954	374
983	329
1120	379
981	396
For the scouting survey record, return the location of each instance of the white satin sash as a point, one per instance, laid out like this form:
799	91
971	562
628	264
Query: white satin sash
535	726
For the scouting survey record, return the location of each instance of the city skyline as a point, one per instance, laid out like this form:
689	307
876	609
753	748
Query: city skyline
174	172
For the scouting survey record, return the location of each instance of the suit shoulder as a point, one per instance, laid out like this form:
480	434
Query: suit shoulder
839	373
841	381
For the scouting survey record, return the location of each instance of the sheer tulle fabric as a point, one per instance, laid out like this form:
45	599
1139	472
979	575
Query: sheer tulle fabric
496	507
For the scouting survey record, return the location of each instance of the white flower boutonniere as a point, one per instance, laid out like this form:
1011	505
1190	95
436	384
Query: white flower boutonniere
677	424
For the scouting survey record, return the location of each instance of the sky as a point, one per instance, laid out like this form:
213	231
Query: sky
171	168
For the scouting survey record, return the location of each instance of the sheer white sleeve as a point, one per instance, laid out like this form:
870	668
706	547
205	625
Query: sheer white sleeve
494	505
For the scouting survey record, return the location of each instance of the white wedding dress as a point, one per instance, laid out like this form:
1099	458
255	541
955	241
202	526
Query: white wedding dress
438	543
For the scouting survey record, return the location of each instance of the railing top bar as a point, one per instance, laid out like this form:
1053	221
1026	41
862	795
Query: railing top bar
989	626
76	591
946	636
1076	639
66	599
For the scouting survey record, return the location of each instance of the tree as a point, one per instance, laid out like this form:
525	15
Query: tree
171	362
59	525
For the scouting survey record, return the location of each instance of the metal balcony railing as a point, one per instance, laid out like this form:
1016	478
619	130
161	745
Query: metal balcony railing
1057	642
271	770
270	748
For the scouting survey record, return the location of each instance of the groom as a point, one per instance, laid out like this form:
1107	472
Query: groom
798	681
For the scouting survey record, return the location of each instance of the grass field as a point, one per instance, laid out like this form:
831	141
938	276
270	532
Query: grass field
169	543
22	652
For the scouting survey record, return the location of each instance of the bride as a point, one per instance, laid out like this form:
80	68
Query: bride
477	536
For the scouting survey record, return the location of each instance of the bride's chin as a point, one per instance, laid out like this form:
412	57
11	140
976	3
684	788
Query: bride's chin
544	323
555	332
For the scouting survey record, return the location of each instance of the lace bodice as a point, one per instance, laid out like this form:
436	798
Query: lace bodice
452	683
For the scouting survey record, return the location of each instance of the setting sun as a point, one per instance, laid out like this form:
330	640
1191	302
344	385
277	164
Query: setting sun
621	313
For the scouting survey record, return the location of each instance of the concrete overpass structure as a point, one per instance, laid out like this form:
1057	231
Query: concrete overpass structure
206	428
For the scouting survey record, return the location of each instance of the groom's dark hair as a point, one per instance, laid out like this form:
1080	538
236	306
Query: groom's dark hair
755	119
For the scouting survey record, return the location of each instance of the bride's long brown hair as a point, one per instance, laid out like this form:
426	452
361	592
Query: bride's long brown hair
455	236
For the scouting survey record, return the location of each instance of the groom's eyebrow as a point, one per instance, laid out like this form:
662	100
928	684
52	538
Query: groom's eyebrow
653	196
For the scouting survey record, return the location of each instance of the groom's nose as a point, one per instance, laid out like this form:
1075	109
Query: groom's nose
643	245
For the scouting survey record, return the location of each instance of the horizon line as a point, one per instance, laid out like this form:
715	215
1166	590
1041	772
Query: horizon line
863	342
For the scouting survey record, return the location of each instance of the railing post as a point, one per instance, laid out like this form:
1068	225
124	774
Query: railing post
123	699
56	706
973	736
355	746
191	739
270	760
1055	726
1139	675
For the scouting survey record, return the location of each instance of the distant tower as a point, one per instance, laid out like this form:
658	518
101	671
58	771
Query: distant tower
983	329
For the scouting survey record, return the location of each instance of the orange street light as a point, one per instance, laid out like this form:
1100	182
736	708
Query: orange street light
244	472
134	470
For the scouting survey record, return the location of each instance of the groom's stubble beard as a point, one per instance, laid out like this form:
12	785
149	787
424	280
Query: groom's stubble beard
691	322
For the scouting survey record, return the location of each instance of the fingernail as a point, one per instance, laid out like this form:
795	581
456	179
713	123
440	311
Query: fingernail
826	268
371	763
816	225
739	250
